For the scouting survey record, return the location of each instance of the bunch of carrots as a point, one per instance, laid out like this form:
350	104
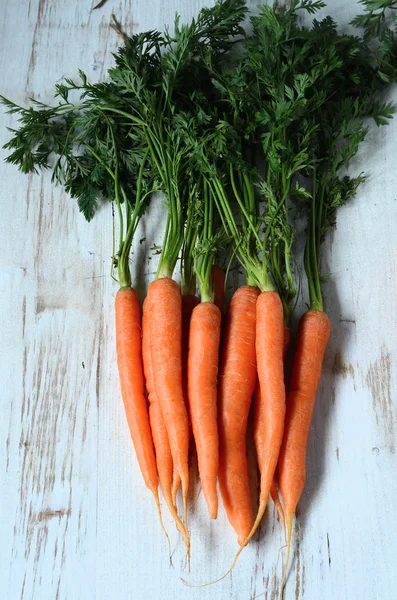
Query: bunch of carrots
239	139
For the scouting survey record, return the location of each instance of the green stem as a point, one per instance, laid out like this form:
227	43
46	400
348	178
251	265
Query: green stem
242	207
256	269
311	255
187	263
203	261
134	218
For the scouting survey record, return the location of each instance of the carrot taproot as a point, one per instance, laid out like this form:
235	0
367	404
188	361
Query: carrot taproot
269	413
204	338
236	386
189	302
159	431
269	408
218	284
273	490
312	340
165	327
129	360
132	384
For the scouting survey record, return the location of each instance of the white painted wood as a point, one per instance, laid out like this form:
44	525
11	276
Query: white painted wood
76	520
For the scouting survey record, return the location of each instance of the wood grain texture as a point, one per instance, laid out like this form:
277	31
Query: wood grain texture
76	520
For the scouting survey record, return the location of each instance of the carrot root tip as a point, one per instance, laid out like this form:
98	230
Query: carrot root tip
288	526
158	506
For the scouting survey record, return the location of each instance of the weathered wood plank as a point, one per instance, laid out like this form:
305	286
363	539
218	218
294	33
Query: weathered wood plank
77	521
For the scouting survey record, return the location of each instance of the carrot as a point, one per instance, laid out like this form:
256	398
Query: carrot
204	337
270	411
312	340
269	408
159	431
218	283
189	302
129	361
273	490
236	386
165	327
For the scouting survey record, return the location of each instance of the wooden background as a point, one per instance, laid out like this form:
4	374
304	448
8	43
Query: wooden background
76	520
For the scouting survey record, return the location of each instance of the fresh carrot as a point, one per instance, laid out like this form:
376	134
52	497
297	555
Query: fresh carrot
269	323
269	408
165	327
312	340
159	430
273	490
236	386
129	360
203	355
269	413
204	337
189	302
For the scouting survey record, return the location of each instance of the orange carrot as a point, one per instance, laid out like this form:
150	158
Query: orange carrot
312	340
273	490
218	284
204	337
269	408
236	386
165	327
159	431
189	302
129	361
270	411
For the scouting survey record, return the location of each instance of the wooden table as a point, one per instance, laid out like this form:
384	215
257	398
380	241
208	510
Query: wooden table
76	520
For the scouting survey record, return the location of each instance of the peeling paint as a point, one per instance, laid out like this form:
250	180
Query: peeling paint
33	53
299	566
378	380
344	369
329	550
46	515
23	316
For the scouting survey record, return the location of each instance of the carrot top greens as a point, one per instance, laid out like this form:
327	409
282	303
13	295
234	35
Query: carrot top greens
160	79
84	146
231	134
124	138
